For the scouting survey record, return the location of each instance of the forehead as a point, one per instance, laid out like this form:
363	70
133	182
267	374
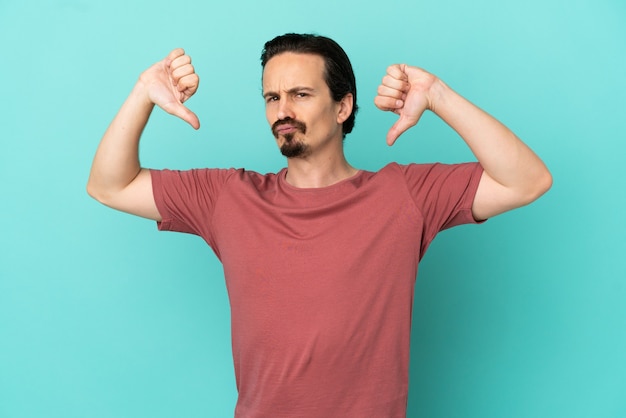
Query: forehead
291	69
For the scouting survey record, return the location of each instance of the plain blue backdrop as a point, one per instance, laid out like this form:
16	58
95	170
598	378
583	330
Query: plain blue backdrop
102	316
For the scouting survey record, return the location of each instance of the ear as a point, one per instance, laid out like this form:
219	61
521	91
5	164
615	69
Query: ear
345	108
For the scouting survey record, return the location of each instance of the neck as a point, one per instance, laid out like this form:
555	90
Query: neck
310	172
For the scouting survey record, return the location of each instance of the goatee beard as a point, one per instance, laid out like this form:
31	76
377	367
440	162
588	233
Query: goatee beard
291	148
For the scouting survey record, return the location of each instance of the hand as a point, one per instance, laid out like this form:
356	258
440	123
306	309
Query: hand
405	91
170	83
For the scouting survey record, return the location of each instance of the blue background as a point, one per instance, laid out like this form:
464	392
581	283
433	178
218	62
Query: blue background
102	316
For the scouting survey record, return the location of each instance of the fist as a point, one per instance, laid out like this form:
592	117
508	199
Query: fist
170	83
405	91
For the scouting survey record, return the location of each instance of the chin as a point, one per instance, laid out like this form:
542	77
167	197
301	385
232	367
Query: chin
294	149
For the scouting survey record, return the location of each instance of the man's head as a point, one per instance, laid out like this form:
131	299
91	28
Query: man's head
338	73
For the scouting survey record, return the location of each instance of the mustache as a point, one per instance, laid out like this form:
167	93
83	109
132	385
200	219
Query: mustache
299	125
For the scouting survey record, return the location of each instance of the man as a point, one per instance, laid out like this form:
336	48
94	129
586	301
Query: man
320	259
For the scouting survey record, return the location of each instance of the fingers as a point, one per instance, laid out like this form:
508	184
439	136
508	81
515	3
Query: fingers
175	53
388	103
393	89
185	80
396	77
183	73
392	93
403	91
178	65
400	71
180	61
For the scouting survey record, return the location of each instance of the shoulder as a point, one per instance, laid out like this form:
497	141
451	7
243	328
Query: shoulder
212	175
425	171
434	179
411	170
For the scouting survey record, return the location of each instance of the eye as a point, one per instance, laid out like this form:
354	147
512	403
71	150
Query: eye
269	99
301	94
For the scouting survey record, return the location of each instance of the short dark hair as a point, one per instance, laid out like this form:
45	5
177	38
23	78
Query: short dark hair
338	74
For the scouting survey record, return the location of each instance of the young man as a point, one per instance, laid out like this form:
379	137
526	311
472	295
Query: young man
320	259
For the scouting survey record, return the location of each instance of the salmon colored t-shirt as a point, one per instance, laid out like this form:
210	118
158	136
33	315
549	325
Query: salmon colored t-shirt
321	280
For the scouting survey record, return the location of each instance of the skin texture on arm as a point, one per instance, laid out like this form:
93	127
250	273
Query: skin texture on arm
513	174
117	178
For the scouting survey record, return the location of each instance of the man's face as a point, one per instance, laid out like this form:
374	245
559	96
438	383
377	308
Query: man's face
298	104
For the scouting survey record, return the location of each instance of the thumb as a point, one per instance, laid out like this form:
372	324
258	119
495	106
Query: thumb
181	111
402	124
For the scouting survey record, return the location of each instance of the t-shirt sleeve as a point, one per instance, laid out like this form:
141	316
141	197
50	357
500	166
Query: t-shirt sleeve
186	200
443	193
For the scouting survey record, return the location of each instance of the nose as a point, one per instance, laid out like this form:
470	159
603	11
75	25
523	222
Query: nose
285	110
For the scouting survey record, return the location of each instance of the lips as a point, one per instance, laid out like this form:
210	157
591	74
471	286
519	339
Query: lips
288	126
286	129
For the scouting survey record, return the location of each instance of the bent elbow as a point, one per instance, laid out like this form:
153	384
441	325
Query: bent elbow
540	186
96	193
90	190
545	183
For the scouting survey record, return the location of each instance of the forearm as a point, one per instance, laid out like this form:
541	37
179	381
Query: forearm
504	157
116	162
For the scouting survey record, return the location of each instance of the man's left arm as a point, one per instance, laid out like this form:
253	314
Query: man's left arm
513	174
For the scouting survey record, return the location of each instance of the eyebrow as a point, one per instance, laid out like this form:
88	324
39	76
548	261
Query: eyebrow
290	91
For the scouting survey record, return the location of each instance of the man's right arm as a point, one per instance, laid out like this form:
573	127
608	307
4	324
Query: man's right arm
117	178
